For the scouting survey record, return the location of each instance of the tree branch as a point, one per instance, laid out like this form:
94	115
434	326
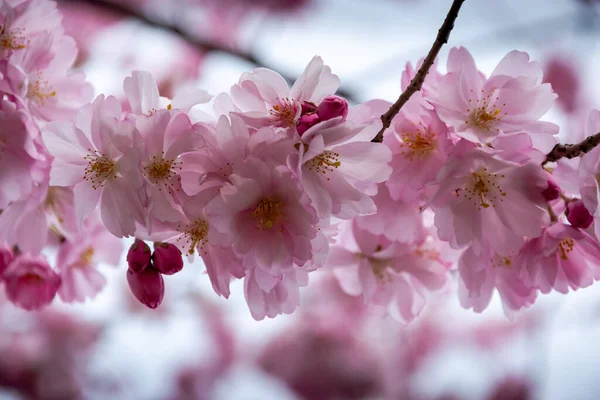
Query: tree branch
417	82
572	150
121	9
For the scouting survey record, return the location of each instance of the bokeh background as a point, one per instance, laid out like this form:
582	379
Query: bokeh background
200	346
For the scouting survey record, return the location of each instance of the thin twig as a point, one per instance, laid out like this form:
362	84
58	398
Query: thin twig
572	150
417	82
121	9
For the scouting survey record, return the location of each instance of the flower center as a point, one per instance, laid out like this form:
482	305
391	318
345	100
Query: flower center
284	113
85	258
100	169
161	170
483	189
12	40
194	235
565	246
417	144
31	278
268	213
327	161
39	91
484	113
52	201
499	261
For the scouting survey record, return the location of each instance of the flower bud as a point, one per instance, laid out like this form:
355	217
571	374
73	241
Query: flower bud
6	257
147	286
552	192
30	282
308	107
167	258
332	107
306	122
138	256
578	215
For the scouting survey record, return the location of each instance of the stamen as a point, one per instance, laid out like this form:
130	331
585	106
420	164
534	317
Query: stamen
39	91
565	246
268	214
284	113
483	189
325	162
485	112
100	169
419	143
194	235
12	40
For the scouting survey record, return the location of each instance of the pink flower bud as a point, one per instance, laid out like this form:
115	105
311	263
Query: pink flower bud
138	256
578	215
306	122
552	192
30	282
167	258
147	286
308	107
331	107
6	257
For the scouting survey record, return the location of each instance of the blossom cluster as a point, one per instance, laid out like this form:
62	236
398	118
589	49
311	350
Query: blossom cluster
276	182
38	86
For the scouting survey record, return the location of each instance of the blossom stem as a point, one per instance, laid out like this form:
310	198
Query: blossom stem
572	150
417	82
121	9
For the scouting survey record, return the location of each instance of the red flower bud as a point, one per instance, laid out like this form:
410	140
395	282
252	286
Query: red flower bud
332	107
138	256
552	192
306	122
167	258
578	215
147	286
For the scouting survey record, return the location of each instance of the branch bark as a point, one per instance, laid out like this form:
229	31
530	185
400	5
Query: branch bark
572	150
417	82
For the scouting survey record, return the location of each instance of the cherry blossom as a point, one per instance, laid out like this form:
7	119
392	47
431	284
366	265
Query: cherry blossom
511	100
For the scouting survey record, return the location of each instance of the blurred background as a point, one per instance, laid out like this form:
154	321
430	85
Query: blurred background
200	346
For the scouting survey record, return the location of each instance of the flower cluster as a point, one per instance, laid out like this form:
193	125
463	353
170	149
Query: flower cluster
277	182
37	87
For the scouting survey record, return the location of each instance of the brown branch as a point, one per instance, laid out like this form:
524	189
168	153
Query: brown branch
417	82
572	150
121	9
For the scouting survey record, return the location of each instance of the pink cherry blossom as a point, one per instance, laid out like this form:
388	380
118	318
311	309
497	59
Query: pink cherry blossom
339	169
22	21
489	203
144	99
420	145
267	216
561	258
263	97
30	282
481	273
393	276
41	79
28	222
165	137
78	259
397	221
17	152
96	156
511	100
268	296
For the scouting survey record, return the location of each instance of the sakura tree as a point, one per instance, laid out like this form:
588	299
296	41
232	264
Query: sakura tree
278	181
460	186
